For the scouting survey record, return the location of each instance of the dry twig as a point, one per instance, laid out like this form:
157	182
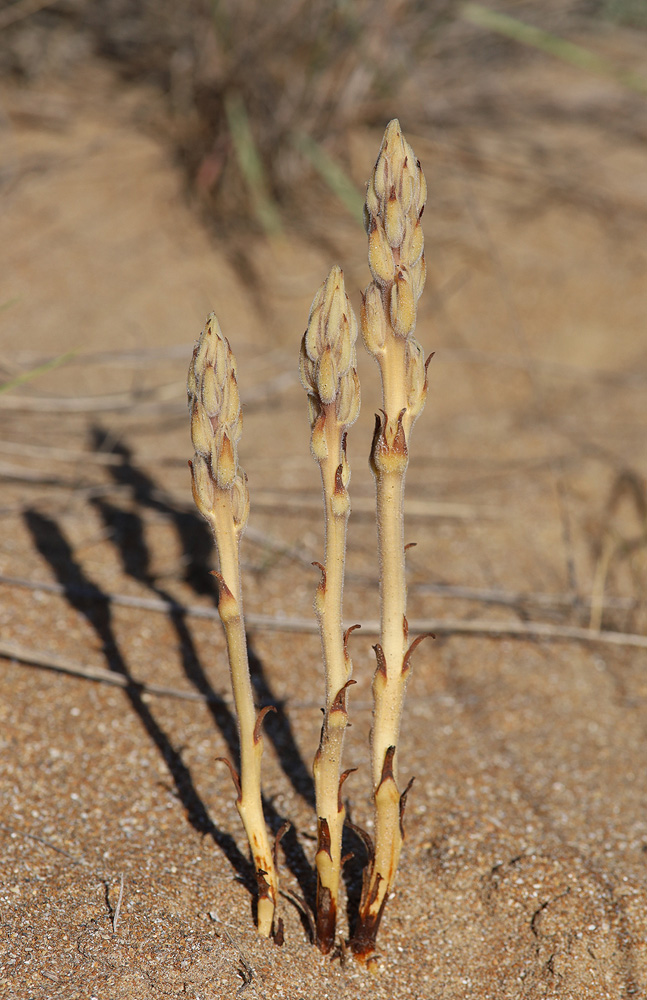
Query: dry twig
115	919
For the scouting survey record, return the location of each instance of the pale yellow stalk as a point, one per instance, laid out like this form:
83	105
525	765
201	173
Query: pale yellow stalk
395	201
221	495
328	374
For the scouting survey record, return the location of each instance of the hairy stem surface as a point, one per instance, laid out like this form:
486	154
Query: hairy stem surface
221	495
328	373
395	200
249	802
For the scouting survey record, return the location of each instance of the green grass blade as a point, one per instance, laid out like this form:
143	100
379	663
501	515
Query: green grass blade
537	38
47	366
332	174
251	166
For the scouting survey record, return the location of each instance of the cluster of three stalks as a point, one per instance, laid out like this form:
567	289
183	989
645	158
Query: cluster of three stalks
395	200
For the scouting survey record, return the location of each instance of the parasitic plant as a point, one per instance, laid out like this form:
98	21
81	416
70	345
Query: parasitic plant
221	495
395	201
327	368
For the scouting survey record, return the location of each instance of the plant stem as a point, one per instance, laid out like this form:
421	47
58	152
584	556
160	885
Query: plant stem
395	200
221	495
388	689
328	759
328	373
249	802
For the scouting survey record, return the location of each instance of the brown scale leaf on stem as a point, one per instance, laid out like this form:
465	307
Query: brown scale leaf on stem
416	642
342	778
347	633
234	775
259	722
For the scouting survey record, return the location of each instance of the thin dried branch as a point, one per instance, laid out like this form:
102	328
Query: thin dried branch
365	506
139	400
62	664
291	623
40	452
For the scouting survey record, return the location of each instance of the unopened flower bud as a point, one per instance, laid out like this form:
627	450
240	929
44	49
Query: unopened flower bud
201	430
412	244
422	193
210	391
224	461
328	349
419	276
340	503
231	404
314	407
214	401
327	376
240	500
334	303
403	304
319	603
348	399
373	320
380	255
345	468
394	220
372	206
306	367
380	178
202	485
416	377
318	444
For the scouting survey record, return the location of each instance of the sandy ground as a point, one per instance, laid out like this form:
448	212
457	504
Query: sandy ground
123	866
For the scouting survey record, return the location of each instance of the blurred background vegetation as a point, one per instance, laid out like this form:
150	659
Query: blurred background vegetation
260	97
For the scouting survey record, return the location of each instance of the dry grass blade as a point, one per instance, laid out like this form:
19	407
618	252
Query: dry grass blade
115	918
561	48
